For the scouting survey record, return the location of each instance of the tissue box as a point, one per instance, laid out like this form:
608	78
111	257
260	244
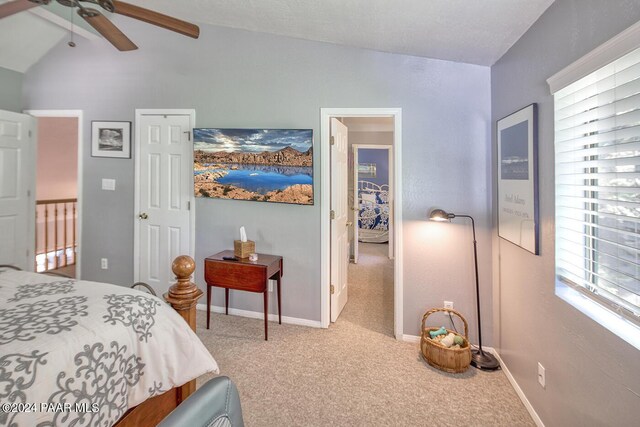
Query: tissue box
243	249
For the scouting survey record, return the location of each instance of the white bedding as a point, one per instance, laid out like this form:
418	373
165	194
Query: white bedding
108	348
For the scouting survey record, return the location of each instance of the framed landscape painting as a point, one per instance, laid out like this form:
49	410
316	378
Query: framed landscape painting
265	165
517	136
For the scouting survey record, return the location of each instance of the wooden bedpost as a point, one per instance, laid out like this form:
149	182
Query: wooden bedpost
183	296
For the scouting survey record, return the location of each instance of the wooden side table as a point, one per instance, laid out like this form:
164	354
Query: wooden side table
243	275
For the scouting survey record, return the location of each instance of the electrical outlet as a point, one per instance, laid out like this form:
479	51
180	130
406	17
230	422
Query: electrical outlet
104	263
270	285
541	375
448	304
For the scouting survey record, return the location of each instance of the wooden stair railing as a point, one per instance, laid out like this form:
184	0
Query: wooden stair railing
63	207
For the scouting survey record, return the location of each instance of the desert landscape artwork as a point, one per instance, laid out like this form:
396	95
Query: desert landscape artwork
267	165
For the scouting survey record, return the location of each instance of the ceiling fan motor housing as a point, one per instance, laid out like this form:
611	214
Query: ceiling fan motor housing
105	4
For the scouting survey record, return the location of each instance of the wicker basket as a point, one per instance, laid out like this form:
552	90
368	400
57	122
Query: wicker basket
454	360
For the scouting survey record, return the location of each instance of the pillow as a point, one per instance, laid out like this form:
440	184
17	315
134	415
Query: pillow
368	198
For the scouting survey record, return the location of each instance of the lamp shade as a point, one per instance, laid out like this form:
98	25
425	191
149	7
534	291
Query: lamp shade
440	215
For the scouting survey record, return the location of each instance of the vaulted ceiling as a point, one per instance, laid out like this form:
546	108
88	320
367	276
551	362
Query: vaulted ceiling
472	31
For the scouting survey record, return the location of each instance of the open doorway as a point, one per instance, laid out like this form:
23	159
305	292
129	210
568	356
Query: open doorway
57	190
360	148
371	191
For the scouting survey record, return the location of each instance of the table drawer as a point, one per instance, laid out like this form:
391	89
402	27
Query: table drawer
235	276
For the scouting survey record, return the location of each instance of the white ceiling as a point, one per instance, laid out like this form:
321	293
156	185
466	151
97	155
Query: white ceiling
21	48
472	31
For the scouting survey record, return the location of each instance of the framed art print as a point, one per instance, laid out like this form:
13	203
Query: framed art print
517	136
111	139
262	165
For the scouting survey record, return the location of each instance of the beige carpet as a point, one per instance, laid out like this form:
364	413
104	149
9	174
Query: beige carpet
354	373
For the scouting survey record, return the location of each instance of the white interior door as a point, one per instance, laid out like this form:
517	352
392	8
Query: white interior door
339	222
356	205
391	202
17	214
165	171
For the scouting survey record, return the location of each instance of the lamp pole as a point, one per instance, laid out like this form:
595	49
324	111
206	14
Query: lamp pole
475	259
479	359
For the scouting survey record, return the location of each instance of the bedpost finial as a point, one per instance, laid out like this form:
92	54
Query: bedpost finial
184	294
183	267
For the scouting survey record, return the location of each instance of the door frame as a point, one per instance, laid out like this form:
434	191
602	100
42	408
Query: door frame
136	203
78	114
391	168
325	207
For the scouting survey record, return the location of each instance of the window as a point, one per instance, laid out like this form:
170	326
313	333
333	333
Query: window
597	167
366	170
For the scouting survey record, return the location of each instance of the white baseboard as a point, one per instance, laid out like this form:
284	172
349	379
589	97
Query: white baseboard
512	381
519	392
260	315
410	338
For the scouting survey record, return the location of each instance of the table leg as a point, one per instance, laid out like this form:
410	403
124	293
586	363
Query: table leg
208	305
266	315
226	301
279	310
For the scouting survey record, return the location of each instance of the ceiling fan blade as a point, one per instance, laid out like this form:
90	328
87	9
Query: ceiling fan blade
156	18
108	30
13	7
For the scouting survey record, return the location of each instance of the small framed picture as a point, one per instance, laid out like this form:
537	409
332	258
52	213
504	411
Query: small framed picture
111	139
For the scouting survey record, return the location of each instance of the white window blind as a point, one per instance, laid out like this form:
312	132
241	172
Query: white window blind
597	152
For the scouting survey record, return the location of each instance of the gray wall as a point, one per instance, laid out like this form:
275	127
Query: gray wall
592	376
237	78
10	90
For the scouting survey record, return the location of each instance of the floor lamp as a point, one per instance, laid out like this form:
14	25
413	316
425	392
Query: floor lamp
479	358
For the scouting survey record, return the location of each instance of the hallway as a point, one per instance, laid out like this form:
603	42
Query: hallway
370	303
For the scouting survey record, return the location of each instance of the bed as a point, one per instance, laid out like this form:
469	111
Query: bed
373	212
74	352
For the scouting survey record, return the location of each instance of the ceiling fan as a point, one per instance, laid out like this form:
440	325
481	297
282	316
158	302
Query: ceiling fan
100	22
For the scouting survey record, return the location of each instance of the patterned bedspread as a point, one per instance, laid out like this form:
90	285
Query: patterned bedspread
373	217
374	211
82	353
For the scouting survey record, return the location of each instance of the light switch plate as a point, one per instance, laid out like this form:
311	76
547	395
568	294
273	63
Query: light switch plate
108	184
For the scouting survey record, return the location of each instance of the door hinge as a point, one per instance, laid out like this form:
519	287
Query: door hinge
333	290
332	140
332	214
28	193
188	135
30	134
188	206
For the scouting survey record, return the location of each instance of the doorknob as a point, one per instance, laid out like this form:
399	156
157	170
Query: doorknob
349	223
143	216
